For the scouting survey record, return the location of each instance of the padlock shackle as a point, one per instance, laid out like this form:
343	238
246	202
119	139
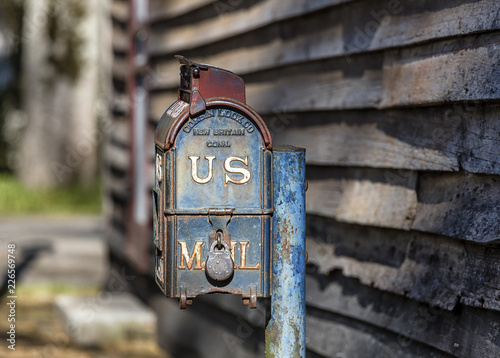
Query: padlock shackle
214	244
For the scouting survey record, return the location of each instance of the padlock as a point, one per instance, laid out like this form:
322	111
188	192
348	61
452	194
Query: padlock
219	265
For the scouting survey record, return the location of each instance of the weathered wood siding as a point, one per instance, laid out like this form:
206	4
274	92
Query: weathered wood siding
117	144
397	105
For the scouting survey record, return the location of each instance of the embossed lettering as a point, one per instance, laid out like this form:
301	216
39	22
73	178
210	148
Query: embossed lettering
242	171
201	131
218	144
159	174
187	259
194	169
185	256
248	125
189	125
233	249
225	131
243	265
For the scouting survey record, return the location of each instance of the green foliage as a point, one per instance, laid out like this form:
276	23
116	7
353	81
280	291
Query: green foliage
16	199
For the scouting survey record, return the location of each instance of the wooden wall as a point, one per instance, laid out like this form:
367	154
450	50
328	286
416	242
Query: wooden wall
117	143
397	105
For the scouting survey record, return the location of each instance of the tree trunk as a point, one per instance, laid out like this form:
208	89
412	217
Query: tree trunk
61	41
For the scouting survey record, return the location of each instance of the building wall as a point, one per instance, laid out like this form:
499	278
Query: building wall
397	105
117	143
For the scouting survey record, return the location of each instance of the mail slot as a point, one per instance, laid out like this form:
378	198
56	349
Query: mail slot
212	198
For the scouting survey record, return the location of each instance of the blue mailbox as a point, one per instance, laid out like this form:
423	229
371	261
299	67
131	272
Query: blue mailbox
213	190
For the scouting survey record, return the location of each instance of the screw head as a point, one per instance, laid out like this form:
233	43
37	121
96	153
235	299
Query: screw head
196	72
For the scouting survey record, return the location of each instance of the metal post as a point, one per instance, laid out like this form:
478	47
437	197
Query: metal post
285	332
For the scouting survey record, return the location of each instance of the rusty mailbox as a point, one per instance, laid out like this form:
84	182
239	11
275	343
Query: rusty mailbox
213	191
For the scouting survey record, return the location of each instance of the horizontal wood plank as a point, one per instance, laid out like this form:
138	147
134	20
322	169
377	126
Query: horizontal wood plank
449	71
411	22
481	139
334	336
119	104
442	138
363	196
467	73
458	205
461	205
161	10
432	269
378	81
119	39
119	132
401	139
376	27
120	68
114	212
116	156
234	23
115	238
468	332
317	89
120	11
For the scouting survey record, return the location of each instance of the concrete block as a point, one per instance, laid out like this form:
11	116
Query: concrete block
66	250
97	320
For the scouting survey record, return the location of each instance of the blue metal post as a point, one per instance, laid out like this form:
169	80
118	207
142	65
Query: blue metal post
285	333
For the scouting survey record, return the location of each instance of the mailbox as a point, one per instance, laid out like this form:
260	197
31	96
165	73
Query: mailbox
212	197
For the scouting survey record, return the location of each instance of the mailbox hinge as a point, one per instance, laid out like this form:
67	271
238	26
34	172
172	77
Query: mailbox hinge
220	211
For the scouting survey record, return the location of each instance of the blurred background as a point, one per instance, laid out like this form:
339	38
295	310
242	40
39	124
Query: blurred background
55	90
53	84
395	101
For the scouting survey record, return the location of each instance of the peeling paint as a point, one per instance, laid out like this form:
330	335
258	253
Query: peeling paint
285	334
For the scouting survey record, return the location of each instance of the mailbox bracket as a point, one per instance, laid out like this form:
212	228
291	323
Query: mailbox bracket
184	300
219	218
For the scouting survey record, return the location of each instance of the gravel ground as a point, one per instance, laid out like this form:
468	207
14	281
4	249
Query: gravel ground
56	255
